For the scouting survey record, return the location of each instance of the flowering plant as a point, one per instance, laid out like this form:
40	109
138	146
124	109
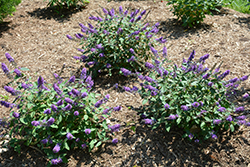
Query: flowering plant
192	97
67	3
57	117
117	40
192	12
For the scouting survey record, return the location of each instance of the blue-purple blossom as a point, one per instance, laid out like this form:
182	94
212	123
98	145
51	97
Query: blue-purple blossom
145	27
210	84
45	141
191	57
35	123
120	10
114	128
5	68
54	107
69	37
47	111
149	65
57	89
147	78
108	65
247	123
118	108
68	100
127	89
213	136
115	141
166	106
203	58
56	161
148	121
184	108
69	136
206	76
143	12
134	88
155	52
50	121
229	118
245	96
84	146
154	93
217	121
120	30
9	58
59	103
112	12
104	11
172	117
233	80
72	79
241	122
242	117
132	58
16	115
196	104
244	78
87	131
224	74
10	90
138	18
76	113
99	46
90	26
161	40
239	109
18	73
191	136
98	103
84	94
132	20
40	81
222	109
132	51
125	71
75	92
68	107
57	148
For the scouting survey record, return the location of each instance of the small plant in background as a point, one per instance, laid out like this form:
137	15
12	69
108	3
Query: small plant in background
192	12
66	3
192	97
7	7
117	40
56	117
242	6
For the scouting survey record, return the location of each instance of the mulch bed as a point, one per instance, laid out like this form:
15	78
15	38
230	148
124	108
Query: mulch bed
36	38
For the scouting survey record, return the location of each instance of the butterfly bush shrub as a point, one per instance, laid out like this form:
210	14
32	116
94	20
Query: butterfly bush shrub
56	117
118	39
192	97
192	12
66	3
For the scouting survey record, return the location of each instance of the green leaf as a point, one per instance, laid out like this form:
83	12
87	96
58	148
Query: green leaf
202	125
54	126
188	118
98	144
24	69
85	117
167	127
92	143
232	127
178	121
23	120
144	101
66	145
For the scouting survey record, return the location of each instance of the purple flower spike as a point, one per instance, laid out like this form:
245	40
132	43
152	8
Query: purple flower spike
114	128
98	103
40	81
149	65
125	71
132	58
10	90
166	106
57	148
115	141
120	30
148	121
242	117
229	118
191	57
75	92
68	107
118	108
244	78
76	113
245	96
164	51
50	121
172	117
10	59
138	18
239	109
68	100
222	109
59	103
206	76
84	146
84	94
54	107
196	104
155	52
72	79
69	37
16	115
217	121
213	136
87	131
191	136
47	111
203	58
132	51
143	12
35	123
184	108
210	84
5	68
99	46
69	136
105	11
108	65
120	10
132	20
44	141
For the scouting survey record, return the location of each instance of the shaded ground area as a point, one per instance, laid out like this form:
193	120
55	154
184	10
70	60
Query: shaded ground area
36	38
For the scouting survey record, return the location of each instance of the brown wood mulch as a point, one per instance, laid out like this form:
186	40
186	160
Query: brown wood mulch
36	38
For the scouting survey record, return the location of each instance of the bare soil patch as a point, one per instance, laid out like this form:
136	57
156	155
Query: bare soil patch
36	38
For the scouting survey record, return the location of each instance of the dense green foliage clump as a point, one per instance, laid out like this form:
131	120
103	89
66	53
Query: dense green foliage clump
7	7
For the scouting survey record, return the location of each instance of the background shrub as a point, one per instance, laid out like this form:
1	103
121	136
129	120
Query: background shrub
192	12
56	117
66	3
117	40
7	7
192	97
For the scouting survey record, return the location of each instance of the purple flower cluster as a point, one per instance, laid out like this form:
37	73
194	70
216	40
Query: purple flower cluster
56	161
125	72
114	128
